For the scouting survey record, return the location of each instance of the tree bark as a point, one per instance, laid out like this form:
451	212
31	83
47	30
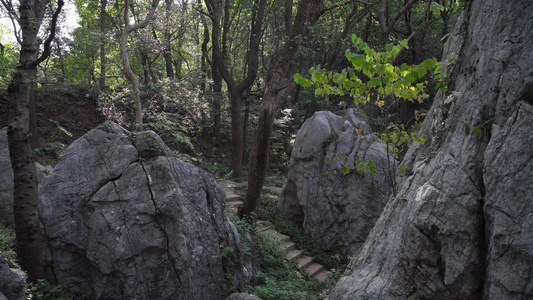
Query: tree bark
103	60
123	43
278	86
236	89
31	239
167	51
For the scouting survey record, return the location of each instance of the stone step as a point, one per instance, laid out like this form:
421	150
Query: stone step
276	236
293	255
233	197
235	204
304	261
322	276
313	269
287	246
261	226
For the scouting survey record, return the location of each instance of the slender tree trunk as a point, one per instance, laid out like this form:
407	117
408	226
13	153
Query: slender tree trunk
103	60
167	51
277	89
245	123
128	28
31	239
236	89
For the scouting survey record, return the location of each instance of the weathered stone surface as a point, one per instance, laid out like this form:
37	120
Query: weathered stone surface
462	226
149	144
12	282
337	210
123	227
6	182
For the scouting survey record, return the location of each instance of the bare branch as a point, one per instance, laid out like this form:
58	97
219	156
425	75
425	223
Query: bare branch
8	5
200	11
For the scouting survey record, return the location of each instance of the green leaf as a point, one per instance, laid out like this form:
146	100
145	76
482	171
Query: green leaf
389	47
466	128
357	60
376	81
345	170
371	166
476	131
402	170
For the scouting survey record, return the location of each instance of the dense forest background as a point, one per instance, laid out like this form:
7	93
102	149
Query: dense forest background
226	83
202	67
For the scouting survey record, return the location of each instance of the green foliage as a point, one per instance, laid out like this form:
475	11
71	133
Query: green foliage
398	138
485	127
279	279
333	136
7	245
8	58
44	290
366	165
268	212
220	170
49	153
373	75
275	180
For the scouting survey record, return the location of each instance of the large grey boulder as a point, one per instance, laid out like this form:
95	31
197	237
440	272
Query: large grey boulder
12	282
462	226
128	220
337	210
6	182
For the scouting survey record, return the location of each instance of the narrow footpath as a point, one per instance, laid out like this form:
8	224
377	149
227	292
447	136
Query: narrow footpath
304	262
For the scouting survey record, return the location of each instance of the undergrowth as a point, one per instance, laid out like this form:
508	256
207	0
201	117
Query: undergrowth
280	280
268	212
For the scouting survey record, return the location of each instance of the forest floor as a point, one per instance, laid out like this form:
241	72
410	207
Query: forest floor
62	115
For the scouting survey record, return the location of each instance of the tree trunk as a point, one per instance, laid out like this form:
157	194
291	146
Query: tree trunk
236	89
277	89
167	51
31	239
103	60
128	28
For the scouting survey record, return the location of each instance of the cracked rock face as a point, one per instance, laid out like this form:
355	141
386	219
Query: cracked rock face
337	210
12	282
462	227
121	227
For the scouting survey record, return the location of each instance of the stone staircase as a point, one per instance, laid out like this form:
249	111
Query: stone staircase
304	262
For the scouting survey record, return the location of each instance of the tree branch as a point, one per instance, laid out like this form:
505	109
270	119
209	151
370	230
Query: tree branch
200	11
48	41
343	3
8	5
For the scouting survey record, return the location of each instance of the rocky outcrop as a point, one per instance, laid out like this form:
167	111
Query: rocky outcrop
128	220
12	282
337	210
462	224
6	182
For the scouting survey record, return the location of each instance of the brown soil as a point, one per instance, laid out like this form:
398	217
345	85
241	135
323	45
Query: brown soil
57	109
